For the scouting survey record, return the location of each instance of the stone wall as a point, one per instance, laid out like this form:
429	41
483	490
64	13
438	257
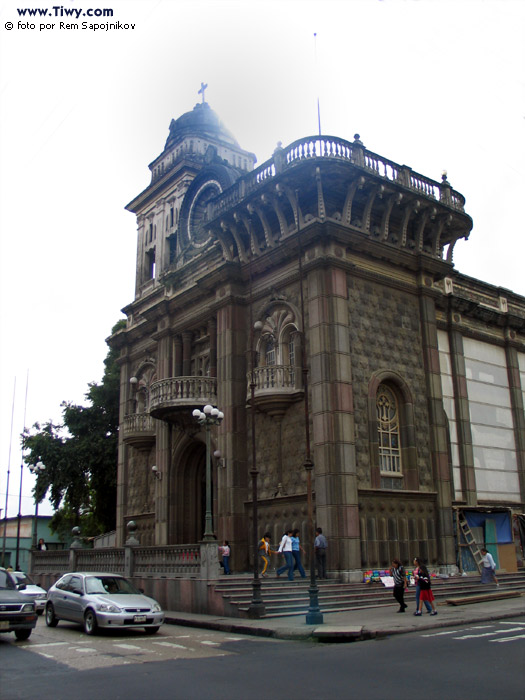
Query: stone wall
384	330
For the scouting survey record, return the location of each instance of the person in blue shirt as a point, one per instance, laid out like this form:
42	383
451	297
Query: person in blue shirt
296	553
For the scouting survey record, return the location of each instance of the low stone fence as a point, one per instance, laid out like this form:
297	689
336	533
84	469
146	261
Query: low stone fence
180	577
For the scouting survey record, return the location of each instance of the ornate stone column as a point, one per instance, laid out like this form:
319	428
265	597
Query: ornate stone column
212	332
438	431
328	346
186	353
177	362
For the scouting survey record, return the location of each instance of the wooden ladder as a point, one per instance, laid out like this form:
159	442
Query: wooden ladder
469	540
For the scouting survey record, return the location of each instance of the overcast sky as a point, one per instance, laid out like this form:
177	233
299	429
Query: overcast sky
431	84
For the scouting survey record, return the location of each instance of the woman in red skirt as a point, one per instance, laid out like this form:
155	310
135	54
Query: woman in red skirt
423	580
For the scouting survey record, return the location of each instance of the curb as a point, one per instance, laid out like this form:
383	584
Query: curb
326	633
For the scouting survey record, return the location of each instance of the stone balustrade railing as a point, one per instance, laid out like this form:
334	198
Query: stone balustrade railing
111	559
138	422
275	378
173	559
49	561
131	561
333	148
182	391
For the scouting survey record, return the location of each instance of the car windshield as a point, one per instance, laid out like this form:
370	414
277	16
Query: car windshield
6	581
23	578
109	585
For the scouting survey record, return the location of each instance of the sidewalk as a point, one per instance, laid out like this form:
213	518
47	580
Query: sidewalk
357	625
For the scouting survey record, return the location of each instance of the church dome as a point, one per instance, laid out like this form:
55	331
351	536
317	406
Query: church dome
201	121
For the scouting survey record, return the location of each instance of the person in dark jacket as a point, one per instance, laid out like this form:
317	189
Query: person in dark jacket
400	583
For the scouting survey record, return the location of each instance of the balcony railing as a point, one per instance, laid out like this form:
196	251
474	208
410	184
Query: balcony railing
181	392
276	386
139	428
334	148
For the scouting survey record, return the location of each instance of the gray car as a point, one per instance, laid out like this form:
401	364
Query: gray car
101	600
17	613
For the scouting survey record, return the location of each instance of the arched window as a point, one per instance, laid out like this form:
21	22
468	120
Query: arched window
388	431
270	351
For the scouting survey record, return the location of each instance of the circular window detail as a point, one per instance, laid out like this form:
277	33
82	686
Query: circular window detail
198	214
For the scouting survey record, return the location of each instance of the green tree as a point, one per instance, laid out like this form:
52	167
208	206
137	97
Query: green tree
80	456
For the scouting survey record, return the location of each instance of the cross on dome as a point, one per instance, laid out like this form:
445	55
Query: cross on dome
201	91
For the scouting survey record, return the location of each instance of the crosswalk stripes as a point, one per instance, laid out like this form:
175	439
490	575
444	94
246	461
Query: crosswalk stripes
502	630
508	639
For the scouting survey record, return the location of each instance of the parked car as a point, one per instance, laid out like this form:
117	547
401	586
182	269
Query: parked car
100	600
17	613
29	588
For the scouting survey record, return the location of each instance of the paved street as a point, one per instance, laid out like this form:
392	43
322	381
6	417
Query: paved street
479	661
67	644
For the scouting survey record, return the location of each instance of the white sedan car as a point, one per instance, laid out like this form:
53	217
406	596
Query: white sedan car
31	590
106	601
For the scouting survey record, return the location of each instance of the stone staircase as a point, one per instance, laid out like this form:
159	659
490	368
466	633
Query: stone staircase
283	598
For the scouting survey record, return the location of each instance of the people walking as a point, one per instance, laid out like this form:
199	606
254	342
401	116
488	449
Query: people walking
400	583
488	569
423	577
296	553
417	564
286	548
320	547
265	552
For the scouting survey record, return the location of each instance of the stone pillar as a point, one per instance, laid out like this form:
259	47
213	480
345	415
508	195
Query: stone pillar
162	483
177	364
438	432
209	561
232	481
518	410
330	379
186	353
459	379
212	332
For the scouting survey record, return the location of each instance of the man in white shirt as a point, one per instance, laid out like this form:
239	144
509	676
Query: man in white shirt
488	569
286	548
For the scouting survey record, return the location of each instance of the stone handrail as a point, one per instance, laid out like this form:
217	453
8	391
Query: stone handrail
182	560
110	559
50	561
333	148
138	422
183	391
171	559
274	377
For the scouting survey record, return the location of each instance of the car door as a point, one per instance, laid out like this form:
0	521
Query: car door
73	599
58	596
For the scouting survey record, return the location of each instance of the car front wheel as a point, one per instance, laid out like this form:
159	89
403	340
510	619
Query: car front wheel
51	619
22	635
90	622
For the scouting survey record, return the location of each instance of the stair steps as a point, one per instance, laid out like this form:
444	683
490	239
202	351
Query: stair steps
283	598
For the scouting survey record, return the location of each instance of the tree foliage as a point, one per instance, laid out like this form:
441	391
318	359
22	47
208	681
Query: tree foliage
80	456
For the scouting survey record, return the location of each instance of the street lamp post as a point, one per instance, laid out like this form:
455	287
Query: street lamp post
19	518
36	469
314	615
207	417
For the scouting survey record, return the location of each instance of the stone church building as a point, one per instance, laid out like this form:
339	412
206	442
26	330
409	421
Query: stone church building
329	268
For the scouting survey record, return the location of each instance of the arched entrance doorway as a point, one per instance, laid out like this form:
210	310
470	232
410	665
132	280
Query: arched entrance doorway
187	497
